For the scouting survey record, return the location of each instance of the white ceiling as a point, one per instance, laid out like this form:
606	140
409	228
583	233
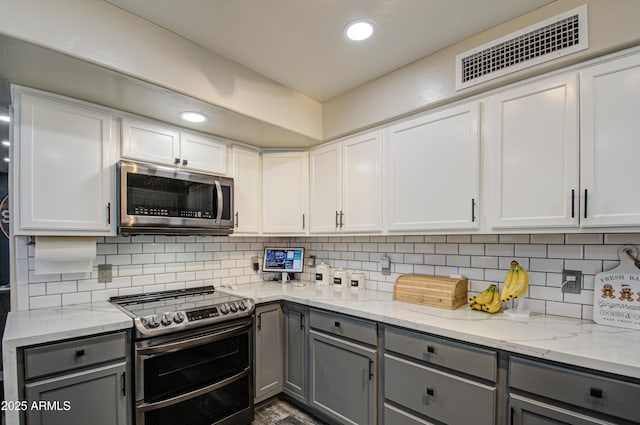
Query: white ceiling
300	43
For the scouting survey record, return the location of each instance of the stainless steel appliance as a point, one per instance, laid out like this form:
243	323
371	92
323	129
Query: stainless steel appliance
192	357
156	199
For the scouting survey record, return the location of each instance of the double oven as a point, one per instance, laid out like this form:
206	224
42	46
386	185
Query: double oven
192	357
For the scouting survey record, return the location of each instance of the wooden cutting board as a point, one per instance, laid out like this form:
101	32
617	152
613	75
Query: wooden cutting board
617	293
436	291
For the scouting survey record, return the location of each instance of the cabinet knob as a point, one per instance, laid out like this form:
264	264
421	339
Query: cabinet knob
336	324
431	349
80	353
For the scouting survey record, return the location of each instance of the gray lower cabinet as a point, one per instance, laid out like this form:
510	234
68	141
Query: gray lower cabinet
296	351
78	382
427	378
545	393
343	369
268	351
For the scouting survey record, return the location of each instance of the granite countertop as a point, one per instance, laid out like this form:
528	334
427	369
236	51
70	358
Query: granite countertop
577	342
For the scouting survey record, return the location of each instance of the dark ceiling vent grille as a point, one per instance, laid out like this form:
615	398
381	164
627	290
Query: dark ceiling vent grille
544	41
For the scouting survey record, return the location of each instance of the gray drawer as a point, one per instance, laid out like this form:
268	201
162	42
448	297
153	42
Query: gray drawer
64	356
438	395
395	416
598	393
348	327
460	357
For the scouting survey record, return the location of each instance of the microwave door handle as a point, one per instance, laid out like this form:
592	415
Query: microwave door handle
220	200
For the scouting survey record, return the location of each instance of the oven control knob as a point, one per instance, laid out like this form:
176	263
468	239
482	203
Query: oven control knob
178	317
166	319
224	309
234	307
151	321
242	306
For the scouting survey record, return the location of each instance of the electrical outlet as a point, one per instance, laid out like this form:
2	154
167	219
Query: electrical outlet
571	281
104	273
385	266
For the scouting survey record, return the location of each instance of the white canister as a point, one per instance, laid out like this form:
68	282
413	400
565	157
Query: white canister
341	278
357	280
323	274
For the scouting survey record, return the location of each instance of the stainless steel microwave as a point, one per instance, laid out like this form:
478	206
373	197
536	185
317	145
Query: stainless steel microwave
155	199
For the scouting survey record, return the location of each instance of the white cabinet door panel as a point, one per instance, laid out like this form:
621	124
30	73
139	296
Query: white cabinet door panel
325	190
285	198
65	160
610	149
362	183
433	171
247	190
532	158
203	153
149	142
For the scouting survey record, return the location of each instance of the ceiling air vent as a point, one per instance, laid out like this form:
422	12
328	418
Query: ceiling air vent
550	39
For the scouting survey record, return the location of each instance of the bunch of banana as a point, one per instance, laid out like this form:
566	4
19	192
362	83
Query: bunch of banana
515	283
487	300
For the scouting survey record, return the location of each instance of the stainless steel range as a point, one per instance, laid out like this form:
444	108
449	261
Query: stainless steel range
193	357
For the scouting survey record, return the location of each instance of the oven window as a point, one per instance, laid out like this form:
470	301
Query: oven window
162	196
206	409
179	372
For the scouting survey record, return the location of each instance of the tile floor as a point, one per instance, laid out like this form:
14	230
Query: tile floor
281	412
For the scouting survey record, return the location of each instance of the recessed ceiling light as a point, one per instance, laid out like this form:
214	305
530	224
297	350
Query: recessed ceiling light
359	30
5	118
193	116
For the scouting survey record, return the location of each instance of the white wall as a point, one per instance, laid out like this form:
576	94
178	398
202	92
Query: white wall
103	34
148	263
429	82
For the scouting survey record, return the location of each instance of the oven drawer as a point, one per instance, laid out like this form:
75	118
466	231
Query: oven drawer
594	392
65	356
344	326
464	358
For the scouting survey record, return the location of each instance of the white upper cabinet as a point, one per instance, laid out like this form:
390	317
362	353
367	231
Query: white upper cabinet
346	185
532	156
64	156
163	144
610	144
432	168
247	190
325	191
285	192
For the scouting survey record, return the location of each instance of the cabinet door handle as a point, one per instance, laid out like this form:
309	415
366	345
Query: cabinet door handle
341	219
80	353
123	384
336	324
260	321
573	203
585	203
303	220
176	161
185	162
337	222
108	212
430	392
236	219
302	321
431	349
370	369
473	210
596	392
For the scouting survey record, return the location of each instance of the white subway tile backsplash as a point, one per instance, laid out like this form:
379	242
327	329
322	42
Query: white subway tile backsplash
153	263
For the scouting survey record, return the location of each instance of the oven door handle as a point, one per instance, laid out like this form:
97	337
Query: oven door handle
188	343
193	394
